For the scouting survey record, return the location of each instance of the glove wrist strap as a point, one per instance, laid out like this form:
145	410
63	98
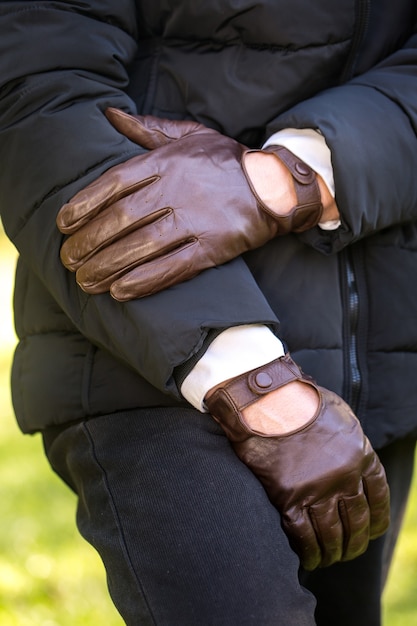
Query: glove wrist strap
229	399
309	208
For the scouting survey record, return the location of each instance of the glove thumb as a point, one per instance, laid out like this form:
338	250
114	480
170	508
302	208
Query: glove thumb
149	131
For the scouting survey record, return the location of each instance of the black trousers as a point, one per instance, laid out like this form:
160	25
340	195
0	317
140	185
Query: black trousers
188	536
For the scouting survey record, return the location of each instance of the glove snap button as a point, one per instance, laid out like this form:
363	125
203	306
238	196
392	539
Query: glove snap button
302	169
263	380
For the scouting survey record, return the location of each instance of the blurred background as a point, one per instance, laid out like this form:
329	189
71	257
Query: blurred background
49	576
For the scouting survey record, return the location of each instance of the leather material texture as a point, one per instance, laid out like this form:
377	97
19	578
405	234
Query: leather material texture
163	217
324	478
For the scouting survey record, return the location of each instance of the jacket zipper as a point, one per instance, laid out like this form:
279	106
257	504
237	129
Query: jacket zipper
363	11
353	376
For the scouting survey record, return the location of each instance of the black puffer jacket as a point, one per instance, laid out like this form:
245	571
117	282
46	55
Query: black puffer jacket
346	302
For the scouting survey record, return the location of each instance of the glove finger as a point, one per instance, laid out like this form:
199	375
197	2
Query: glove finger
111	224
303	539
318	534
149	131
355	516
173	268
139	247
377	493
342	527
328	527
117	182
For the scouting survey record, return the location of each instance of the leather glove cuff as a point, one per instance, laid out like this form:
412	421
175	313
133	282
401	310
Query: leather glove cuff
309	208
324	477
233	396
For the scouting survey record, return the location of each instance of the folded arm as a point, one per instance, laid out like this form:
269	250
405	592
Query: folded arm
370	126
54	141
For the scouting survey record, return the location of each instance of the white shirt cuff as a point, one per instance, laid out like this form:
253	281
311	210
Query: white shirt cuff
233	352
310	146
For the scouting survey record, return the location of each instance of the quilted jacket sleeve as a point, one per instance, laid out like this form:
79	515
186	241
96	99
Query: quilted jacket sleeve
61	64
370	126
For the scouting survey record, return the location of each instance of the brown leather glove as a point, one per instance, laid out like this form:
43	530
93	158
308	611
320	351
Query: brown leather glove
324	478
164	216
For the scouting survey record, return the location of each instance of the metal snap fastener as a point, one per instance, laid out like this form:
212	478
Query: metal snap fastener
263	380
302	169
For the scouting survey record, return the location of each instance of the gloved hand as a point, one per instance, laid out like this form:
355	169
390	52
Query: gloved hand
164	216
324	477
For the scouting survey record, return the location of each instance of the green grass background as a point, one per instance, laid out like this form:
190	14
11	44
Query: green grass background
48	575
